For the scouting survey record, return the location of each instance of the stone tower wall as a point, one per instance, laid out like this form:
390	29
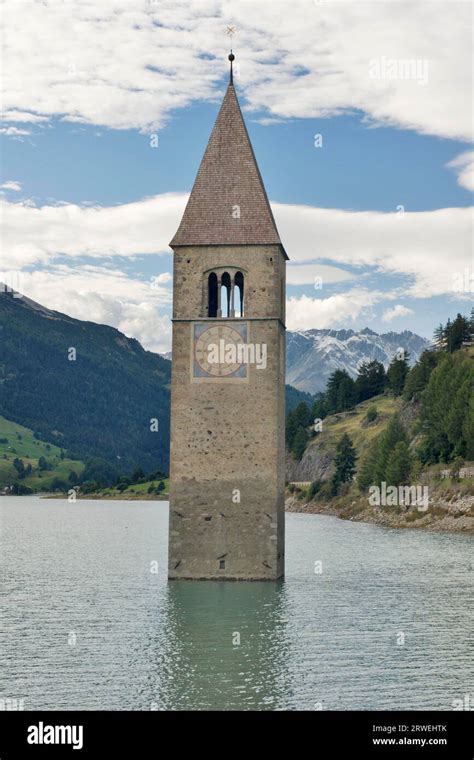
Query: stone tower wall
227	435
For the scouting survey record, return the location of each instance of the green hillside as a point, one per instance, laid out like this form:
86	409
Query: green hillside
136	490
18	442
428	407
354	422
84	387
409	428
98	406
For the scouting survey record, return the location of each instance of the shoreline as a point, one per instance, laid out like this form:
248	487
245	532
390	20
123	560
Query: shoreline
445	517
108	497
91	496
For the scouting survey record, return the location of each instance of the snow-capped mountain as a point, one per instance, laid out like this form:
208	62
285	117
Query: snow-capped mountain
312	355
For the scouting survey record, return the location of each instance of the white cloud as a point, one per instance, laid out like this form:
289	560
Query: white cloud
312	62
14	132
111	63
22	117
162	279
33	234
11	184
397	311
106	296
464	164
128	65
304	313
334	44
427	247
315	274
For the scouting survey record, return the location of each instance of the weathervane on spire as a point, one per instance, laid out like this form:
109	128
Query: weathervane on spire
230	31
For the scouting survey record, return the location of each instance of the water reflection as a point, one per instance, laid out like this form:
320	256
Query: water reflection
225	647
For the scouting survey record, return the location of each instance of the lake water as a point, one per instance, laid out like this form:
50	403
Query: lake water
387	624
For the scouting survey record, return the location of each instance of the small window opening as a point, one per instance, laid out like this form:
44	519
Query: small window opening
239	294
213	295
225	295
222	564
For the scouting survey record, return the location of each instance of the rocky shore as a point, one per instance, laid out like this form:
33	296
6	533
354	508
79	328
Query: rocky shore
455	514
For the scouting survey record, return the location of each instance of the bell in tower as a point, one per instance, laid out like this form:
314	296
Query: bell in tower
228	377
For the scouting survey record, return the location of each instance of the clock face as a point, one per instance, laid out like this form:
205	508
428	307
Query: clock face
215	350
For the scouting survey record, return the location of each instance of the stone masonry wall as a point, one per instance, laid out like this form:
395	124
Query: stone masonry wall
227	436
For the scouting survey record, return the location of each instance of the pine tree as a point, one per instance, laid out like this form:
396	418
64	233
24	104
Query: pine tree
459	333
370	380
291	428
297	418
303	414
419	375
393	434
439	338
299	443
19	467
447	337
446	409
345	460
456	416
366	471
346	395
399	465
318	410
340	392
397	373
468	429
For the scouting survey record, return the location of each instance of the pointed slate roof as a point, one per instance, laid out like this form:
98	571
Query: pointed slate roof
228	177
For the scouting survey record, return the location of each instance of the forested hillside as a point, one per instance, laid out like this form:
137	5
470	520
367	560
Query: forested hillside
87	390
398	427
28	464
83	387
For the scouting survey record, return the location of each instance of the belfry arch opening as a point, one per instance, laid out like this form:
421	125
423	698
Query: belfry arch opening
212	291
225	294
239	294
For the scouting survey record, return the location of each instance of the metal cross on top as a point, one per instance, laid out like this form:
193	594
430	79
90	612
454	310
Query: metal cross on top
230	31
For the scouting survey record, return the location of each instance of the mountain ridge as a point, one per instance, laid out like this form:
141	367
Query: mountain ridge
101	405
312	355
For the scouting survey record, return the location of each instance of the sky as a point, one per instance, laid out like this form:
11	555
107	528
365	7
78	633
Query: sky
360	115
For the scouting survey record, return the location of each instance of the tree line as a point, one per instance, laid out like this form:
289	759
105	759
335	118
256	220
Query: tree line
440	388
344	393
97	474
454	335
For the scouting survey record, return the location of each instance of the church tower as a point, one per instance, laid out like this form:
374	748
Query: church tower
228	375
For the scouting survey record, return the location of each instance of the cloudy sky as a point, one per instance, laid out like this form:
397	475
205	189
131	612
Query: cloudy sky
360	116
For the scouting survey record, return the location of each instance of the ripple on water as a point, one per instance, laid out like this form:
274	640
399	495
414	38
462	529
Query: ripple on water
87	625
